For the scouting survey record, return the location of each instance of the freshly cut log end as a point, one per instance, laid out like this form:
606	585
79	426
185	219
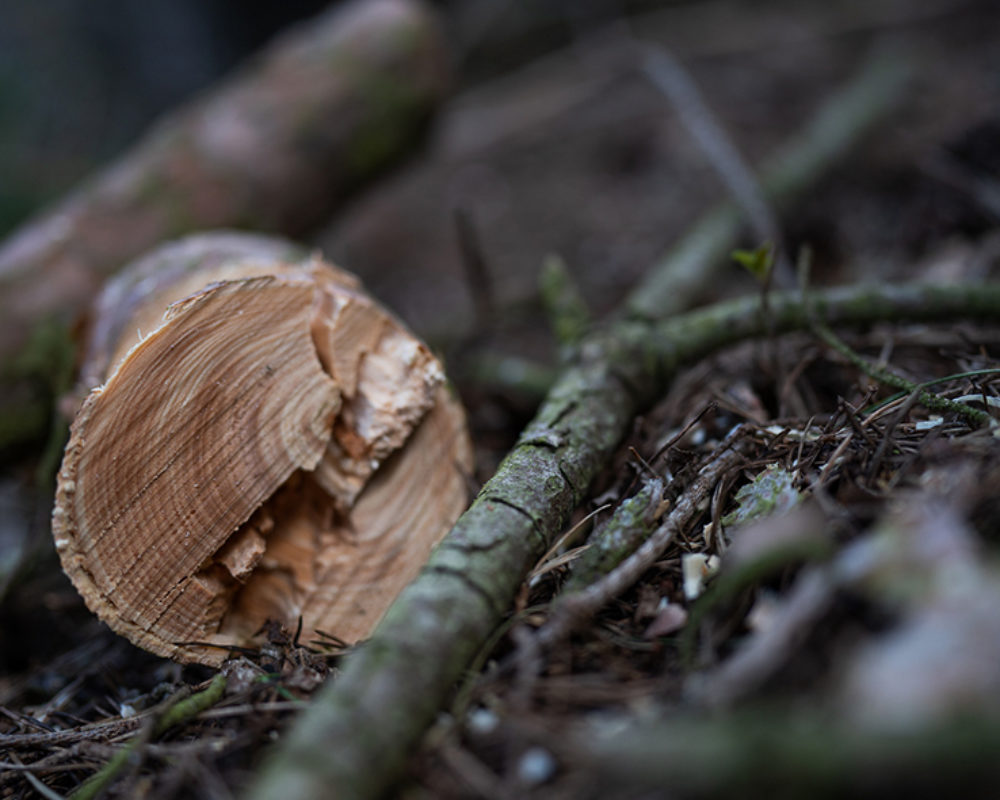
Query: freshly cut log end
272	446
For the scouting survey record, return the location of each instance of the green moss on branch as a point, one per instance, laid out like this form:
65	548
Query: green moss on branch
391	687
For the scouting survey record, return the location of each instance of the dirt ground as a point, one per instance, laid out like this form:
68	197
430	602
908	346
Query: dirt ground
866	608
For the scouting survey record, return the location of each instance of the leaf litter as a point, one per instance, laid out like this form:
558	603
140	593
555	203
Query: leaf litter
854	597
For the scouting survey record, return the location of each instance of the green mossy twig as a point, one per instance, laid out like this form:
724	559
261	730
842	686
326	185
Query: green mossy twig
571	609
179	709
617	537
771	752
972	373
928	400
568	314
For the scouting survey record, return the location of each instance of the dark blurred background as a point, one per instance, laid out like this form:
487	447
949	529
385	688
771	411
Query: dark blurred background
550	144
79	81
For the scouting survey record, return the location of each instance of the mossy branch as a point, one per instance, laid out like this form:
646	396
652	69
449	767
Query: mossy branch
928	400
571	609
176	710
617	537
392	686
766	752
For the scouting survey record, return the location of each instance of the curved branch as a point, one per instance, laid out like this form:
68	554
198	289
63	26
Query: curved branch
356	736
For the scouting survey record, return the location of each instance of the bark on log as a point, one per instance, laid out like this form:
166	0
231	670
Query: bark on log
274	446
276	148
356	736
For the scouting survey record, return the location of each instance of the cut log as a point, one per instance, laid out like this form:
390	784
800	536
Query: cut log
274	446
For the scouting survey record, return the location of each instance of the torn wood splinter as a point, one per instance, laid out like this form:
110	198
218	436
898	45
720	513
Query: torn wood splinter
274	446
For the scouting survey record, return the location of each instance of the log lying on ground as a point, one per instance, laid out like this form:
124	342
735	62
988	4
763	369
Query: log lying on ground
276	149
274	446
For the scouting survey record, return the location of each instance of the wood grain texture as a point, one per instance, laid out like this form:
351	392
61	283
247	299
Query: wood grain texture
278	447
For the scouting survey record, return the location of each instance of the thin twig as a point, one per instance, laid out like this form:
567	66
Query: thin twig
833	462
928	400
43	790
571	610
883	445
177	710
33	780
851	415
933	382
109	729
710	406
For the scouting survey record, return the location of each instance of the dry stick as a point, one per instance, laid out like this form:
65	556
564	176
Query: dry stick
48	740
41	788
890	428
177	712
763	654
695	262
392	686
577	607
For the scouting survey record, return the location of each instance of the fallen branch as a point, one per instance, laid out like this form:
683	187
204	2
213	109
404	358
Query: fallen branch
573	608
392	686
276	148
765	753
882	374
